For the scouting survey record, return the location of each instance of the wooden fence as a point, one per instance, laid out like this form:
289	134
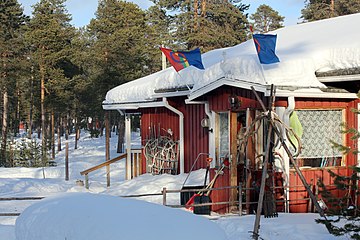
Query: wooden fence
134	171
166	191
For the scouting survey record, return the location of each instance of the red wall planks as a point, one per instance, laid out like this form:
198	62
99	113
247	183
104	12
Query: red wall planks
196	137
156	121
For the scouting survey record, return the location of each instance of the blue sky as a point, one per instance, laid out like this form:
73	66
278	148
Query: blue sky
83	10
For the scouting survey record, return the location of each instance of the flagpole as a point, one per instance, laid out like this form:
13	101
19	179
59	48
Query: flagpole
261	66
163	59
183	80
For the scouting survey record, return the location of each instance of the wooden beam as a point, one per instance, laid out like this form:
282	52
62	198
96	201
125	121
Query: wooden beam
103	164
250	158
233	160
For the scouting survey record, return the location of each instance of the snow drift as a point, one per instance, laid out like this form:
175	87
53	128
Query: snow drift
80	216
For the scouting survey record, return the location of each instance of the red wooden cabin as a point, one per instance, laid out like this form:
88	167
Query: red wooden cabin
206	111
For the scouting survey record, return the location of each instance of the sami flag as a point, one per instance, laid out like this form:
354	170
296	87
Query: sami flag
182	59
265	46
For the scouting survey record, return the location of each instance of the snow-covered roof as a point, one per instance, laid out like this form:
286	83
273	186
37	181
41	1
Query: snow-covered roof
303	49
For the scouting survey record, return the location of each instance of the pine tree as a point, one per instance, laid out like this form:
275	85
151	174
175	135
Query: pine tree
344	210
345	7
207	24
317	10
12	21
266	19
118	55
49	36
322	9
159	34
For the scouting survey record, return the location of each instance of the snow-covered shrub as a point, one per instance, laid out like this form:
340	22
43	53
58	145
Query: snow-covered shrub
27	153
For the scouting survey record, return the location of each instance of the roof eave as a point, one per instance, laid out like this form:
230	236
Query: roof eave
229	82
287	93
131	105
341	78
171	94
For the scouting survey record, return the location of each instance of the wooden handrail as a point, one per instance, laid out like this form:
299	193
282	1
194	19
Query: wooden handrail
107	163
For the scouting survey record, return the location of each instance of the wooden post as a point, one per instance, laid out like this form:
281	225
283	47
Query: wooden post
240	199
128	146
233	160
250	159
67	161
317	191
310	202
262	186
135	159
107	147
356	200
140	162
164	196
86	181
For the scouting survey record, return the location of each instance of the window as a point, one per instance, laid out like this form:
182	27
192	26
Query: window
319	128
224	137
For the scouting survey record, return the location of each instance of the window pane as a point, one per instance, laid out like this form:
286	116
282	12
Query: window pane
224	134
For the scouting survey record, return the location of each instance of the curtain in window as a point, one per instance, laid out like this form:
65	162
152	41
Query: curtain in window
319	127
224	134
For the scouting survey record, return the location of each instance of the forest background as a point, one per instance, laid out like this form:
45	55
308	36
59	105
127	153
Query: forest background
54	76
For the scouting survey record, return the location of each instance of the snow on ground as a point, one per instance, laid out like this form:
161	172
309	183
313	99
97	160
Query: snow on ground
26	182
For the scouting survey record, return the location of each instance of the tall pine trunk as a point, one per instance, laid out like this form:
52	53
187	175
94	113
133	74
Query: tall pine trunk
67	127
17	114
59	134
31	103
203	8
196	15
121	134
52	135
42	102
4	127
77	132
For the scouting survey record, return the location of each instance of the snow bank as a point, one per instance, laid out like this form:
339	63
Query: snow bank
296	226
80	216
